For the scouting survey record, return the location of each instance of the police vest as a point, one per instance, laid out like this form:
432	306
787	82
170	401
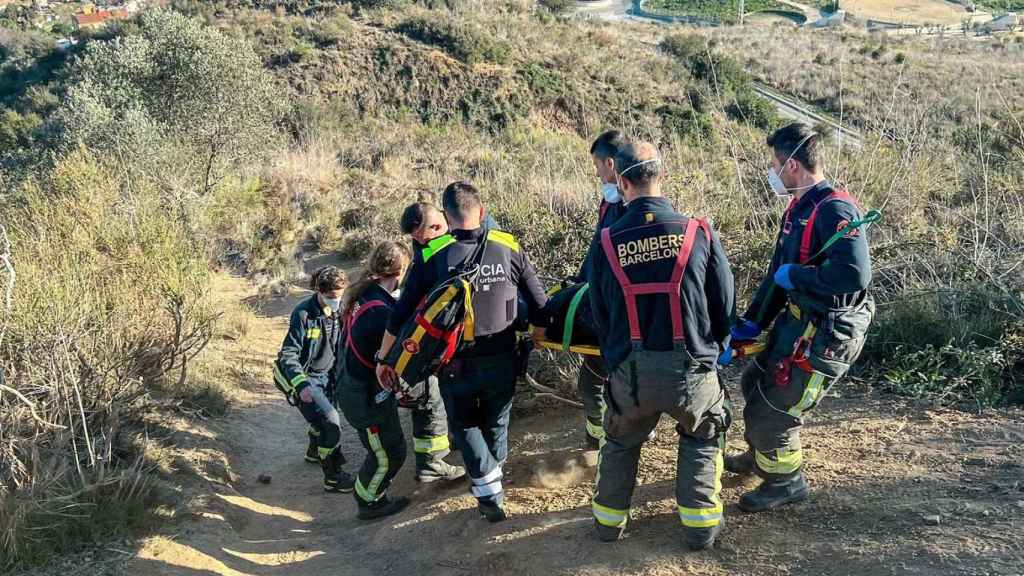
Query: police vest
494	290
666	241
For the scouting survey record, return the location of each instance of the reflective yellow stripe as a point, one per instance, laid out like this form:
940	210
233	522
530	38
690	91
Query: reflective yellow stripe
503	238
298	380
596	431
609	516
324	452
279	376
784	461
708	517
794	311
369	493
811	393
313	333
469	320
428	445
436	245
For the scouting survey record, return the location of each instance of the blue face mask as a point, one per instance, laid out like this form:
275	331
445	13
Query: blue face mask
610	193
333	303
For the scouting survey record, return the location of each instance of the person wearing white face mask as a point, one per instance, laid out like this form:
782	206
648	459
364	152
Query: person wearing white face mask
305	372
815	292
593	375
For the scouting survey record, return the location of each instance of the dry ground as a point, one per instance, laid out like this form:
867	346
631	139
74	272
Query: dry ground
898	489
907	11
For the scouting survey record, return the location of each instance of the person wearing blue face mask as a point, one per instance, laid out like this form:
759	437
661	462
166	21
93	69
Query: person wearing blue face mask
814	297
305	371
593	375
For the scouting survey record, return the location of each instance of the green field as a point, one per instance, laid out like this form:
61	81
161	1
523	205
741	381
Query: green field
723	10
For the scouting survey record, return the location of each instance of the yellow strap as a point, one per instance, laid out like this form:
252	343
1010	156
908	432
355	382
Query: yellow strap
469	320
811	393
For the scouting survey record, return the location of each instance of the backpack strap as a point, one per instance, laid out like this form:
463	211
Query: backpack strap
604	210
808	235
350	324
670	288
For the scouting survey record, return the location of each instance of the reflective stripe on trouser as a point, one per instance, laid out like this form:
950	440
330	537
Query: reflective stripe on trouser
430	429
773	416
646	386
478	395
380	432
590	385
323	418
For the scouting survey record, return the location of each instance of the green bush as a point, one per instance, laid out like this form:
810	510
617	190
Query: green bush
463	40
749	108
952	375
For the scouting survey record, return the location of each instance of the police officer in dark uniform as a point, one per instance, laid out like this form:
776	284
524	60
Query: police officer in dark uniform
592	376
662	295
819	302
479	383
305	370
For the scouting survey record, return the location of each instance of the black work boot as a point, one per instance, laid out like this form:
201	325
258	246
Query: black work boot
774	493
312	451
335	479
609	533
702	538
381	508
439	470
491	512
742	464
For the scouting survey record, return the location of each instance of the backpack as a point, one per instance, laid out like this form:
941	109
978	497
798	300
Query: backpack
443	320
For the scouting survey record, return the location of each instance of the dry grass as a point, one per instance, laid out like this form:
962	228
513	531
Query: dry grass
907	11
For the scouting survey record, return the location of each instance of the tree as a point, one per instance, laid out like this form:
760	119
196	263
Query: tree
178	101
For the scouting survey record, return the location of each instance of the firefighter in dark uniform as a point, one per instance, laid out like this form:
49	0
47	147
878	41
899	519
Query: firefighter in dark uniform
592	376
821	311
479	383
305	371
662	295
367	304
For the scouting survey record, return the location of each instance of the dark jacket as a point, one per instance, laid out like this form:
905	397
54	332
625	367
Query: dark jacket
706	290
835	284
307	343
607	214
505	270
367	334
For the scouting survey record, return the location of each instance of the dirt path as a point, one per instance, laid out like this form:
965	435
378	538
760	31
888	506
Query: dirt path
899	489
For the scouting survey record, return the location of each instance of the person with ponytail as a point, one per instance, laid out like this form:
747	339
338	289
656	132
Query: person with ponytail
305	372
367	303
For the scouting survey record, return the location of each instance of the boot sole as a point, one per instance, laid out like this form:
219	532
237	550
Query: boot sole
311	460
798	497
432	479
336	490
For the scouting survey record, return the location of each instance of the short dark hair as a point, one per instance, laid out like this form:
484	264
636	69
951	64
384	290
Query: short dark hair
800	141
414	215
460	199
607	145
328	278
629	158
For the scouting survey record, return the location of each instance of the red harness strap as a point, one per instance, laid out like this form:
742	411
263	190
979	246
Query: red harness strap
808	235
604	210
351	322
670	288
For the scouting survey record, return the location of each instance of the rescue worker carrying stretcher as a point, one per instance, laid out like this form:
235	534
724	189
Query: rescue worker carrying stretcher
305	371
592	376
662	295
821	292
478	384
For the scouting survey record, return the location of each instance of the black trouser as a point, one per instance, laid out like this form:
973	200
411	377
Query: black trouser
323	418
640	390
478	395
430	429
591	382
380	432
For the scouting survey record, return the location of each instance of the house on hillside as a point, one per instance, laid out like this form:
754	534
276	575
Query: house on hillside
97	18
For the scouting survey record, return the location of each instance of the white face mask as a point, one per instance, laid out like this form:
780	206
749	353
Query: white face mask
775	179
396	293
333	303
610	193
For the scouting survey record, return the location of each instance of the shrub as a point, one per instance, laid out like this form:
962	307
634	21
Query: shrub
558	7
463	40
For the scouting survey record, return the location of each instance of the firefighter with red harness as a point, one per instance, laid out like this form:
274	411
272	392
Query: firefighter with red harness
662	296
815	291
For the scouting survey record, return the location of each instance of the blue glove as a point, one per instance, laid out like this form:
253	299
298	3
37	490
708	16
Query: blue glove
726	357
745	330
782	276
